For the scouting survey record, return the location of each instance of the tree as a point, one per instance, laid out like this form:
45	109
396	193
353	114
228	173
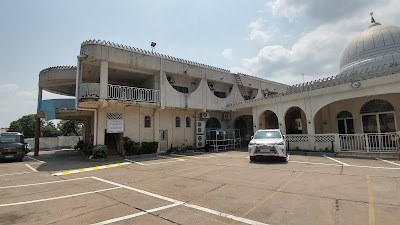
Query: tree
49	130
25	125
69	128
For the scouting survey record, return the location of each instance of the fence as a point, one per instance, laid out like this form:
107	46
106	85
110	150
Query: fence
54	142
313	142
377	142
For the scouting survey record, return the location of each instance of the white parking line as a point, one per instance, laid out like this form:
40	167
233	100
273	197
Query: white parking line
388	162
177	202
35	159
326	164
135	162
12	174
136	214
49	182
59	197
345	164
30	167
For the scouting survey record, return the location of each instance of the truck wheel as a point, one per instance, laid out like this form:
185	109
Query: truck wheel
252	158
20	159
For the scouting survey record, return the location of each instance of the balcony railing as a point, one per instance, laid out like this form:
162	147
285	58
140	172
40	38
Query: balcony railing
118	92
133	94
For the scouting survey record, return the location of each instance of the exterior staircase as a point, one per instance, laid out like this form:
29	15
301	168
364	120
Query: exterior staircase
240	86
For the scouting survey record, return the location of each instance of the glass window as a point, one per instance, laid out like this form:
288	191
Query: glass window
267	134
177	122
345	123
188	122
147	121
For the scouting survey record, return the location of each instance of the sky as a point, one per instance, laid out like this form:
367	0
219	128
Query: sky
277	40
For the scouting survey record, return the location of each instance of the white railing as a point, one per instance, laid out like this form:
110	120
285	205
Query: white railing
376	142
125	93
89	90
313	142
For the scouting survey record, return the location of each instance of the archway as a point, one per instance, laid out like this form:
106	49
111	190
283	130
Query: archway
269	120
213	123
244	124
295	120
378	116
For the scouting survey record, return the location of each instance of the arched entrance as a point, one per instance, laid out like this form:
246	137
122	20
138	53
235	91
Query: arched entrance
295	120
269	120
245	125
378	116
213	123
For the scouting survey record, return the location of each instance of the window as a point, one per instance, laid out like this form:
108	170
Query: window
345	123
177	122
163	135
181	89
188	122
147	121
220	94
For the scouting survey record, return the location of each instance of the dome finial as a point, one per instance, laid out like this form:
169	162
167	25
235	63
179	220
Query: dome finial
372	18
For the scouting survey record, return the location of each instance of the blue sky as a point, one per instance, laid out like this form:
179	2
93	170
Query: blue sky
277	39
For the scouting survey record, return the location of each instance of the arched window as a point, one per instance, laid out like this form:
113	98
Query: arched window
147	121
378	116
177	121
345	123
188	122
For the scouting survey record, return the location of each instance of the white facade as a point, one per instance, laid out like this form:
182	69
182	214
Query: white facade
153	97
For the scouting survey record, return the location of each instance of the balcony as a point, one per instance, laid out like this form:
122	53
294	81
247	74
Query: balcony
121	93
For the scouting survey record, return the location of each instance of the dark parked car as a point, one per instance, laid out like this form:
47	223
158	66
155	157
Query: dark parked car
12	146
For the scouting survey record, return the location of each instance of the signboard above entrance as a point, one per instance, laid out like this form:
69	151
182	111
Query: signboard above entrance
115	126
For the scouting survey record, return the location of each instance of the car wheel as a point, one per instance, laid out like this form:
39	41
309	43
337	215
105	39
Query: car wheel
252	158
20	159
285	159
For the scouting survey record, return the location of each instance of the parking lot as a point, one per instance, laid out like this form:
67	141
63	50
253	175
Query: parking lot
58	187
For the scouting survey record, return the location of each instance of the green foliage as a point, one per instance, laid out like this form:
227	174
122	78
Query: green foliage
69	128
49	130
25	125
148	147
179	149
133	148
99	151
86	148
130	147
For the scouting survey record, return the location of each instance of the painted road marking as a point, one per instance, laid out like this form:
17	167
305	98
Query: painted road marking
30	167
67	172
327	164
136	214
177	202
371	209
344	164
388	162
12	174
166	157
49	182
35	159
135	162
59	197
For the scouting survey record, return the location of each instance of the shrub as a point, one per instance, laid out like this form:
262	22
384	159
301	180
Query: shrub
130	147
148	147
86	148
99	151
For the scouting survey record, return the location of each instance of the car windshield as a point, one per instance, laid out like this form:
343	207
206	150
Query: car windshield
10	139
267	134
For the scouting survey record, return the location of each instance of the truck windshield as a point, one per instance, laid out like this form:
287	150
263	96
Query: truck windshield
9	138
267	134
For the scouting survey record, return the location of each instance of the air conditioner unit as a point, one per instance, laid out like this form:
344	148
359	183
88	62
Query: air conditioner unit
226	116
171	80
201	127
211	85
200	141
205	115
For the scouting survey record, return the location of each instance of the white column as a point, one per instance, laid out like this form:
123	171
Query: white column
103	79
101	126
255	119
163	93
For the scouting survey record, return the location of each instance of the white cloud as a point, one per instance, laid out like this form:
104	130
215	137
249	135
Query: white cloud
227	53
317	51
258	32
